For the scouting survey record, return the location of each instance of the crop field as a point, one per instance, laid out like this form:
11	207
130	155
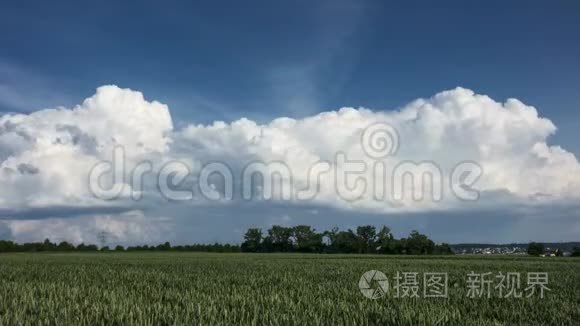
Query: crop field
277	289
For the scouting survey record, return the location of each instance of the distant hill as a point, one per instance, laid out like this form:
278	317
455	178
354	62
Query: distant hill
564	246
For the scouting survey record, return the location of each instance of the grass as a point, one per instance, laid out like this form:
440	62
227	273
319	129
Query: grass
277	289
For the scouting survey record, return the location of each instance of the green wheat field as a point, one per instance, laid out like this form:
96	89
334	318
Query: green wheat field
267	289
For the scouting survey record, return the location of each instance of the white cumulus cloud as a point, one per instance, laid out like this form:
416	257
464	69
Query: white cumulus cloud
46	156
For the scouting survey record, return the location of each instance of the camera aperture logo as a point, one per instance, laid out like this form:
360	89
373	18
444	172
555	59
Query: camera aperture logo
373	284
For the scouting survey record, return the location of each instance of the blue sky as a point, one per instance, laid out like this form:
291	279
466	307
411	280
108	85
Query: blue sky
223	60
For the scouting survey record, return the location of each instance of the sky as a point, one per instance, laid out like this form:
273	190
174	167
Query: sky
441	73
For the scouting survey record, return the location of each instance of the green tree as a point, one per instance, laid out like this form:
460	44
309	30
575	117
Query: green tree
345	242
267	245
306	239
65	246
252	240
164	247
443	249
419	244
535	249
281	238
366	238
385	240
8	246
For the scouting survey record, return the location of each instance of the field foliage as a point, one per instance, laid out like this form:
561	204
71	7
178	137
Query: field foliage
264	289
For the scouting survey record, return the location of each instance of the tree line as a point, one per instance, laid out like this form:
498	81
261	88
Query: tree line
365	239
300	238
47	245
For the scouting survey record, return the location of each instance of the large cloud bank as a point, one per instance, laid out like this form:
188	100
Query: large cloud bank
46	156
